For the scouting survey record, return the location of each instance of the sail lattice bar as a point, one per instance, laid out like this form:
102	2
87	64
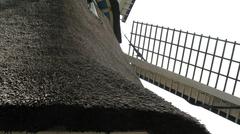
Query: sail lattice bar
125	8
201	69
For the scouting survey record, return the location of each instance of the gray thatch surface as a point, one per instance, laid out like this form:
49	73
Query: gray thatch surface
60	66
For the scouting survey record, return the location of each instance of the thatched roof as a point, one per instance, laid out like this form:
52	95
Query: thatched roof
60	66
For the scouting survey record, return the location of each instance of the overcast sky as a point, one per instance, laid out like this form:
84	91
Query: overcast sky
218	18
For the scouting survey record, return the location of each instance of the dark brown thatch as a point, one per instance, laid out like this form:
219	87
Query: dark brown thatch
60	66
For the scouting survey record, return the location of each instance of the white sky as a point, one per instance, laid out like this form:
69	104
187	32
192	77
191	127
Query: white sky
217	18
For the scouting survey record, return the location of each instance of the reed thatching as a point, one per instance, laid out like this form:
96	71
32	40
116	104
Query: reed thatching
62	67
